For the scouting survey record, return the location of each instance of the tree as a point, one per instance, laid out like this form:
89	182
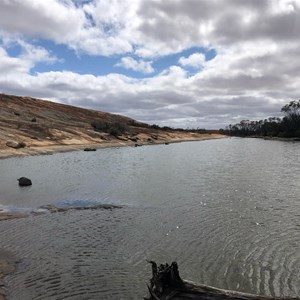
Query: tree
291	122
292	109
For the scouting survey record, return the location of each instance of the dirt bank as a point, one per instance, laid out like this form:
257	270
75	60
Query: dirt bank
31	126
7	152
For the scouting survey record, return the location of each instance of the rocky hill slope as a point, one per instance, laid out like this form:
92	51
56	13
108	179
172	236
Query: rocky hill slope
33	126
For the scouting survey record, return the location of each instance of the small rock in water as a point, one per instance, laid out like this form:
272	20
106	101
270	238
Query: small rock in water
23	181
89	149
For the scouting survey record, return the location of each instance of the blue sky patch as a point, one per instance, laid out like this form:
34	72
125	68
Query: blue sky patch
68	60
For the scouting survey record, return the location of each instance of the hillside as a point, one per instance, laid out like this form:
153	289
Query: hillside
44	127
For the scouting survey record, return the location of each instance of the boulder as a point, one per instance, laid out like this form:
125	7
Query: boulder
89	149
122	138
13	144
135	139
23	181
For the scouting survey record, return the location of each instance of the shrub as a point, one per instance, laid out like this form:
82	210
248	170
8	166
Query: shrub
114	131
138	124
22	145
154	126
115	128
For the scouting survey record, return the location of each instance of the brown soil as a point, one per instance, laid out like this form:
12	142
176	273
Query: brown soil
47	127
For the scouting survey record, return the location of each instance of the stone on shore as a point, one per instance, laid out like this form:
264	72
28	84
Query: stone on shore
15	145
23	181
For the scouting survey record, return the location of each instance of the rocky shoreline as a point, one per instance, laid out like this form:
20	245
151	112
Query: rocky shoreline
276	138
8	152
31	126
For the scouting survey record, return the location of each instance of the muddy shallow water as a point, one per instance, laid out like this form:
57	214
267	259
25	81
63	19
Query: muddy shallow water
227	210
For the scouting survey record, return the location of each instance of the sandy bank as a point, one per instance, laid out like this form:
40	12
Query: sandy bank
46	148
43	127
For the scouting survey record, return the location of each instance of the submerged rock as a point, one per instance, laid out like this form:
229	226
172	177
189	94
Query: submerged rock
12	215
134	139
7	266
53	208
23	181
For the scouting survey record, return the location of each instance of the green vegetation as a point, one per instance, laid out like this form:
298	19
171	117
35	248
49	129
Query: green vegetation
117	128
288	126
22	145
114	128
167	128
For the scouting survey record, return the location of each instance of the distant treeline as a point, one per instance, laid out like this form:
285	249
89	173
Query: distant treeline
288	126
117	128
166	128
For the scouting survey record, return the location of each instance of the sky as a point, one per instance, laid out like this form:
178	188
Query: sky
178	63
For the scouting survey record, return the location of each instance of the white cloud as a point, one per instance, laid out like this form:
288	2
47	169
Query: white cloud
28	58
150	28
12	65
36	54
63	23
136	65
255	72
51	19
195	60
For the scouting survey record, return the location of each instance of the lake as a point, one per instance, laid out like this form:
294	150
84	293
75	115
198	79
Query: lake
228	211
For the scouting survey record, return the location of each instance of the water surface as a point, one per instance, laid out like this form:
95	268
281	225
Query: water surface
227	210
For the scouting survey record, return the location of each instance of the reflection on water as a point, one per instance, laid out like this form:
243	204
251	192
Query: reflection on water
227	210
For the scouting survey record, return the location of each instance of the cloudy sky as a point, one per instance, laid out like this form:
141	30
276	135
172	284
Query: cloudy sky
187	63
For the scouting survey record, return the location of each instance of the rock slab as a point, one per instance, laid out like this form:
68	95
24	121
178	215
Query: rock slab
13	144
23	181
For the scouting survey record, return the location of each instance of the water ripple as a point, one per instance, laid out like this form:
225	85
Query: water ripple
230	220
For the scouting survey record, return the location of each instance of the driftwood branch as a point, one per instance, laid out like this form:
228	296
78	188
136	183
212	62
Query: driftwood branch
166	284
